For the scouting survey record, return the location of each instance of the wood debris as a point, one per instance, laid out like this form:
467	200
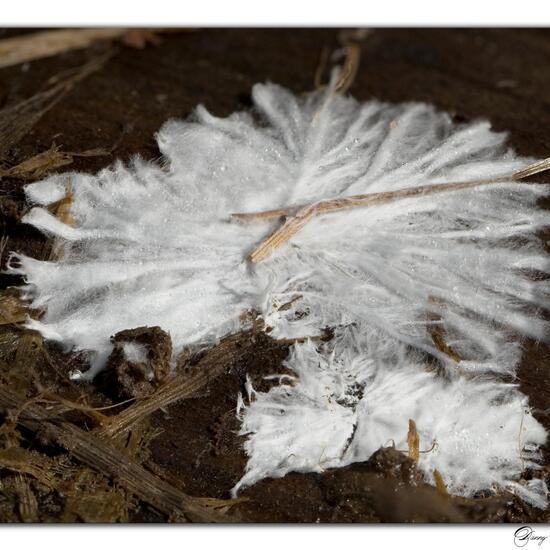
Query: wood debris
184	385
42	163
302	214
108	460
27	505
439	483
438	333
413	440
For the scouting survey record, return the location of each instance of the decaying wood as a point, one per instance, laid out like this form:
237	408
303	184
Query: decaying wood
27	505
108	460
216	361
23	461
137	379
89	497
302	214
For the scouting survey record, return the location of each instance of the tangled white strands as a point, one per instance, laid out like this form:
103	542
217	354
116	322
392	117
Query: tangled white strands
155	245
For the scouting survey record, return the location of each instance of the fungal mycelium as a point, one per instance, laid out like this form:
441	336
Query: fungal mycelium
412	237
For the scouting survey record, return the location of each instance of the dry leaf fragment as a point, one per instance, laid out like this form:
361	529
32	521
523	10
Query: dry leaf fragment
42	163
413	440
440	484
62	208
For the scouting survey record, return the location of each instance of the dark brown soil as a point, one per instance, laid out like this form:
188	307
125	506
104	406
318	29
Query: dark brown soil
499	74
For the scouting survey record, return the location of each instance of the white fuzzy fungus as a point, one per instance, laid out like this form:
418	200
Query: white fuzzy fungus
154	245
356	394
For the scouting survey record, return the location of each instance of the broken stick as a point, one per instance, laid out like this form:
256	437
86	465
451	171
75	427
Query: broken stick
302	214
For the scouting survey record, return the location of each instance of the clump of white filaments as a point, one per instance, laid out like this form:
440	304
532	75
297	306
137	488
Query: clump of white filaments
155	245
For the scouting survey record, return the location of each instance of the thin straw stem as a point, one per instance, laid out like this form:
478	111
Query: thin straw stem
302	214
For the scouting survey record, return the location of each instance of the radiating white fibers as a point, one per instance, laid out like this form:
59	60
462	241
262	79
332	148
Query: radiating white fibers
356	394
153	245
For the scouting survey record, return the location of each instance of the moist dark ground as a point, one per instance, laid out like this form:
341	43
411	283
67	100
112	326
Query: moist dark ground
499	74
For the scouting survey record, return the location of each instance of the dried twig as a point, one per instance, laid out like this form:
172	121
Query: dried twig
349	69
317	82
302	214
350	40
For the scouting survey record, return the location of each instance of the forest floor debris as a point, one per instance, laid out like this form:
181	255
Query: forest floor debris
58	463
